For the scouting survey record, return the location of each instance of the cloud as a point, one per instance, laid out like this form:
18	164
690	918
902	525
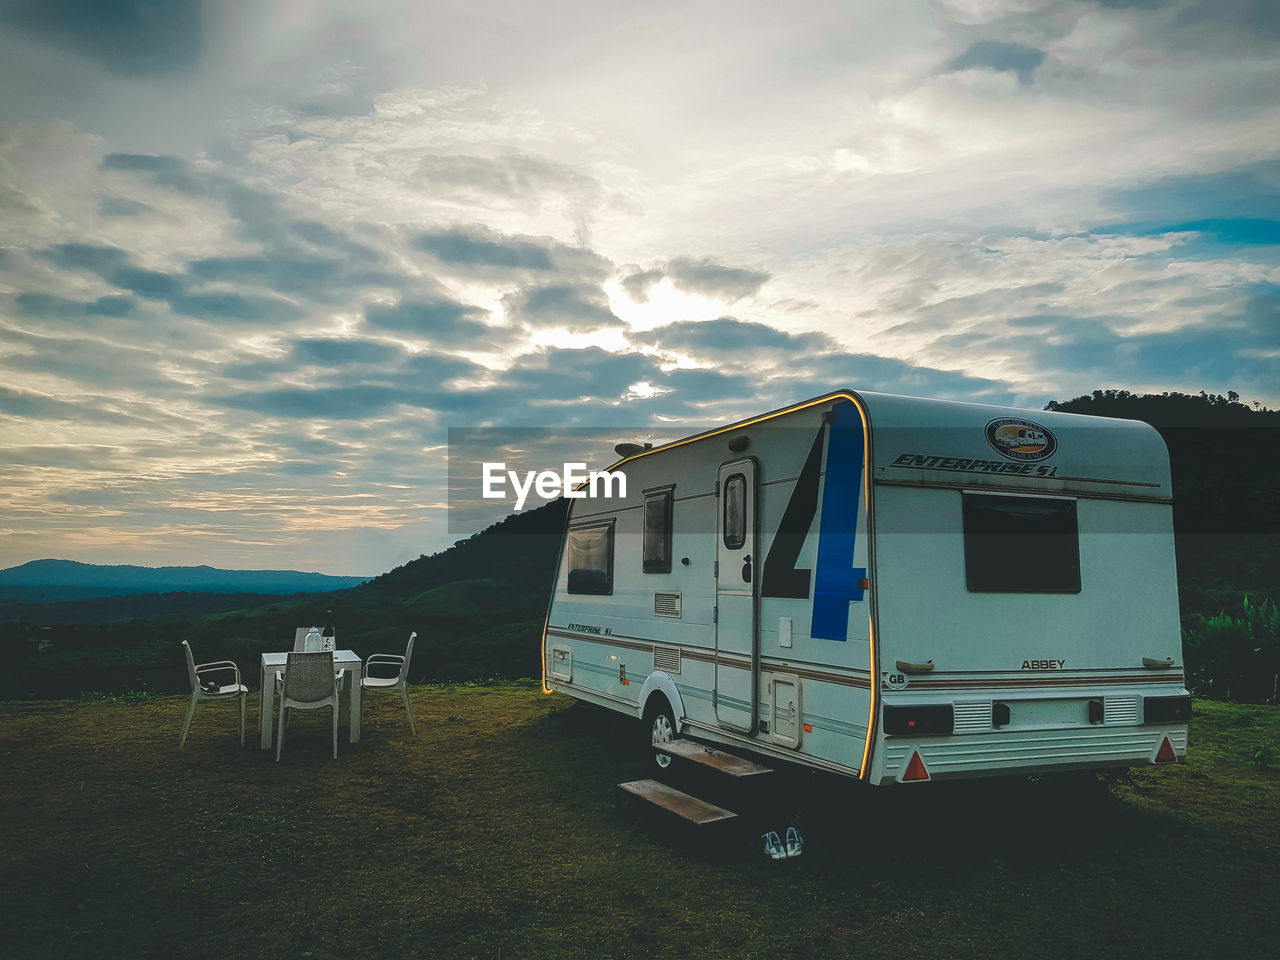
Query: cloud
702	276
132	38
639	283
83	408
262	215
233	307
146	283
284	275
478	249
1261	314
331	352
554	375
347	360
1241	193
521	177
995	55
727	335
706	277
441	320
217	306
891	375
575	307
359	380
356	402
1134	4
122	207
97	258
46	306
167	173
1259	18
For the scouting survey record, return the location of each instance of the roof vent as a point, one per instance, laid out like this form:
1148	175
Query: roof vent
631	449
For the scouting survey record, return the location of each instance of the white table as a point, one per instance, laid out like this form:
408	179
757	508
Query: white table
272	663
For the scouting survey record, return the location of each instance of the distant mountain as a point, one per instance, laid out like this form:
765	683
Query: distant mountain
68	580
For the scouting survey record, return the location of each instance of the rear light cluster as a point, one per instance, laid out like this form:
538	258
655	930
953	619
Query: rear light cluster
1166	709
932	718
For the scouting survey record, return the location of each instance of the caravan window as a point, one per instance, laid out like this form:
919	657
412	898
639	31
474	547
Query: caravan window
591	558
735	512
1021	544
657	530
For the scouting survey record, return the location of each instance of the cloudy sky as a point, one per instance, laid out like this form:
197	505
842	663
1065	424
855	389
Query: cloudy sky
256	258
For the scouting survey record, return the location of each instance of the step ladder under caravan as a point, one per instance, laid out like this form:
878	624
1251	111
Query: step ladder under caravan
697	771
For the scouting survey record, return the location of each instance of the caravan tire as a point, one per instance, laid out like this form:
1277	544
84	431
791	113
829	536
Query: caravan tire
660	727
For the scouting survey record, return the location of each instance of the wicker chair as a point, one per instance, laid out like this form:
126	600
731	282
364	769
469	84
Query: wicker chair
213	690
398	682
307	683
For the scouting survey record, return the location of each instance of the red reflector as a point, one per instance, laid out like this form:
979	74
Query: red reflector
911	723
864	584
915	769
808	728
1166	754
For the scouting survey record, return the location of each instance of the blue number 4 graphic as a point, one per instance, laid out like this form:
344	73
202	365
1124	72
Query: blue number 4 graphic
836	584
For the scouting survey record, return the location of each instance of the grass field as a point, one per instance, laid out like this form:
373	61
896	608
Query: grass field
496	833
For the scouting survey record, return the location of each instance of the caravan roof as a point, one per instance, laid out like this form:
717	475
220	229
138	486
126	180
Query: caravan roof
912	439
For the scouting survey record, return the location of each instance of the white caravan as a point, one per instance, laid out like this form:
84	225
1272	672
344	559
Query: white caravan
891	588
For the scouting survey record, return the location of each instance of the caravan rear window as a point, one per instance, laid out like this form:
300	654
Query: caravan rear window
591	558
1021	544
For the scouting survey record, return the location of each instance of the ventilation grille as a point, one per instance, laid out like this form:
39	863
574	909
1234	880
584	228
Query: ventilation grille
666	659
1120	709
972	717
666	604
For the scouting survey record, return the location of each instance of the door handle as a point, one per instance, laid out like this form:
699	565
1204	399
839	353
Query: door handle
746	569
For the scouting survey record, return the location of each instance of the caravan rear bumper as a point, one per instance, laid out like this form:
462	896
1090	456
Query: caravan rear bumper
1026	751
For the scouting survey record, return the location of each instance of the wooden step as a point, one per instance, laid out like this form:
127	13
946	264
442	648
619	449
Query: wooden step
675	801
725	763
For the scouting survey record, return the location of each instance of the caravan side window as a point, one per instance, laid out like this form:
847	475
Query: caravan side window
657	530
1021	544
591	558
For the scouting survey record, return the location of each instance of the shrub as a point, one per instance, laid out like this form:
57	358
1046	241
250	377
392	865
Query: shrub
1235	657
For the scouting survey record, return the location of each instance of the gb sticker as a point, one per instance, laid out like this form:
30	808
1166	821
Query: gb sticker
896	681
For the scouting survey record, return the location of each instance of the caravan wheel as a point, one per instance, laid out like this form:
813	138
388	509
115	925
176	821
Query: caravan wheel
662	729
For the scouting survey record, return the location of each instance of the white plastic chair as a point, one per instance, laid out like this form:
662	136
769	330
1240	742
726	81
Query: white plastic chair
307	683
217	691
399	682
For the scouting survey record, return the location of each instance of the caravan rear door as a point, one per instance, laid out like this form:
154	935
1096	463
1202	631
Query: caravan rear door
737	576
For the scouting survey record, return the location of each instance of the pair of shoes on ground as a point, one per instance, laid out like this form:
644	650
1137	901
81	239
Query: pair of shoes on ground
775	847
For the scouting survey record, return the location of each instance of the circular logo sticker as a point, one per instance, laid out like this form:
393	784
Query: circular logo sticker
896	681
1022	440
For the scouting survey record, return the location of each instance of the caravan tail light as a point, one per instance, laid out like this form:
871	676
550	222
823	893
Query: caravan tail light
1165	754
931	718
915	769
1166	709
